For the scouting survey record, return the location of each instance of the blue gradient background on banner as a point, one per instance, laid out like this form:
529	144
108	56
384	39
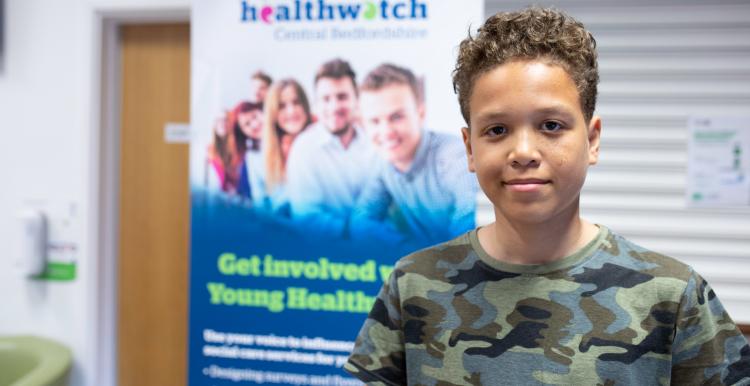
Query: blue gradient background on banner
220	226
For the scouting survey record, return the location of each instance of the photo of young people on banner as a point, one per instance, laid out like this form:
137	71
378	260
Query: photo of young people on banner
347	160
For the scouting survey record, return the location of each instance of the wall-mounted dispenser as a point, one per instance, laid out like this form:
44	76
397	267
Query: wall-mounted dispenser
31	254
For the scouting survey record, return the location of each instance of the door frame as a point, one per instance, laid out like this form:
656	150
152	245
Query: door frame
107	20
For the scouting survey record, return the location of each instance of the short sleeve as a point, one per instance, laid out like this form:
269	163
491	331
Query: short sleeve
708	348
378	354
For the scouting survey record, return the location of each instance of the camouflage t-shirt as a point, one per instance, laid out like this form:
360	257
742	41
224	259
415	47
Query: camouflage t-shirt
613	313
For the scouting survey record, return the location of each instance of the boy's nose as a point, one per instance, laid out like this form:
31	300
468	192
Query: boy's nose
524	151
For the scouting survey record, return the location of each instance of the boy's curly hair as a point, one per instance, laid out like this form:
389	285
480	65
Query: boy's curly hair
530	34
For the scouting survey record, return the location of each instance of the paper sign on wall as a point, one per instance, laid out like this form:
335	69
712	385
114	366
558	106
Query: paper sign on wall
718	162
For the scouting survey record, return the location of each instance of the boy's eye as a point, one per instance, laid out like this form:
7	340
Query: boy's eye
551	126
495	131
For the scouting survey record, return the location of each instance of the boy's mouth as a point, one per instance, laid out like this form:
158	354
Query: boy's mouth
526	184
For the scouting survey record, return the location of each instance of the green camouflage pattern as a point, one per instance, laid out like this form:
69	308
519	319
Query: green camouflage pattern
613	313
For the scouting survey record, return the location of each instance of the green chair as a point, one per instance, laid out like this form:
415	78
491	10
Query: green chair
33	361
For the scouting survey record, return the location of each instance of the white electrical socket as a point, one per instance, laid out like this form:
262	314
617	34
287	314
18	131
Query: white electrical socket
31	254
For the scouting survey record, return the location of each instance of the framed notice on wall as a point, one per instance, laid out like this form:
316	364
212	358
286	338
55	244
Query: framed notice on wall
718	162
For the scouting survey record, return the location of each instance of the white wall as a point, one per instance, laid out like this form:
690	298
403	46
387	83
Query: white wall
49	124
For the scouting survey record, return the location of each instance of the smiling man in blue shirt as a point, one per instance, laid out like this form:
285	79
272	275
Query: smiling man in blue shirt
421	191
325	167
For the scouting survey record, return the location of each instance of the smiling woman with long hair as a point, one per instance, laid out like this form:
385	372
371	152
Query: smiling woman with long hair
287	113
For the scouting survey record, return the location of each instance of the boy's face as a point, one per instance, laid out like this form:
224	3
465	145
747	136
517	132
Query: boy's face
393	120
336	103
529	143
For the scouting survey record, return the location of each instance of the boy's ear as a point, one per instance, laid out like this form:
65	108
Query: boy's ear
466	135
594	135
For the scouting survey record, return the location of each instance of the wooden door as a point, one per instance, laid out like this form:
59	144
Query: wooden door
154	207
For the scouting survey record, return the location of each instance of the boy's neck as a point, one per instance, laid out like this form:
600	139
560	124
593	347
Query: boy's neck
533	243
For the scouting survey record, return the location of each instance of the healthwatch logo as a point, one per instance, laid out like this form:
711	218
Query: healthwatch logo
321	10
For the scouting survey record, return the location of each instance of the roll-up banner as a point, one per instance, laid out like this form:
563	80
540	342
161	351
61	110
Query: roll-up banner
325	145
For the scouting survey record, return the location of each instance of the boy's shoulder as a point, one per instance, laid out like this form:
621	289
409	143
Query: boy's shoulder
620	255
434	260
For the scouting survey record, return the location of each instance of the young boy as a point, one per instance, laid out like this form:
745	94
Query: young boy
541	296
